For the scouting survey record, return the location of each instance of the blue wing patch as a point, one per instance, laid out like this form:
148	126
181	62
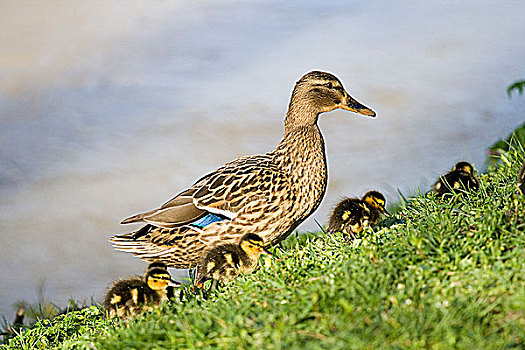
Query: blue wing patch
208	219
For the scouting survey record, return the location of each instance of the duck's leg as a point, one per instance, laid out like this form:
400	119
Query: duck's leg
214	285
192	273
211	289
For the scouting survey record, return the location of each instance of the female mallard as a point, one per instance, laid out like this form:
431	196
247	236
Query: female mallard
268	194
460	178
224	262
131	296
352	215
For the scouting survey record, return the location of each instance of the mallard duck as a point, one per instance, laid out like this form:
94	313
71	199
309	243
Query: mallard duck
460	178
223	263
132	296
521	179
268	194
351	215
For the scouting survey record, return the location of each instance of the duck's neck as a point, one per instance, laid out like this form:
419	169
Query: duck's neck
302	136
300	140
300	113
302	152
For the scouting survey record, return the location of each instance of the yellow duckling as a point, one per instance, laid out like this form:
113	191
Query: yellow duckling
223	263
132	296
351	215
460	178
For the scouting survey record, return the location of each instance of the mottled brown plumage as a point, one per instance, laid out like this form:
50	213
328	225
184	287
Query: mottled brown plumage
460	178
226	261
132	296
351	215
268	194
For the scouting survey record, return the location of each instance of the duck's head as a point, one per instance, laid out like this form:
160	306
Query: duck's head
253	245
375	200
158	278
464	166
318	92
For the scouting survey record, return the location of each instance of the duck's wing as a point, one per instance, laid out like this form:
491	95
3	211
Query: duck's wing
178	211
223	192
177	247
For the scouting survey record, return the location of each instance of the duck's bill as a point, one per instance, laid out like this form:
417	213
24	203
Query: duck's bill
356	107
386	212
266	251
173	283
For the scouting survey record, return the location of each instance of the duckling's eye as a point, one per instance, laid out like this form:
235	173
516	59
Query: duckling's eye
329	85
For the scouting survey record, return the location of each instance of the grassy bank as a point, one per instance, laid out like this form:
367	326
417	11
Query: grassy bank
445	274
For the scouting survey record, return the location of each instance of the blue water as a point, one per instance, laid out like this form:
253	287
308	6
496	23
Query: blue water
109	109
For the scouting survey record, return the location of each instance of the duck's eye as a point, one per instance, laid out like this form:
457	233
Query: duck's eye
329	85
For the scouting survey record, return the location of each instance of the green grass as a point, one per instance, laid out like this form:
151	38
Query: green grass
449	275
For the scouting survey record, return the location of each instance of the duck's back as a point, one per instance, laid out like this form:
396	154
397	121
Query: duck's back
347	213
455	180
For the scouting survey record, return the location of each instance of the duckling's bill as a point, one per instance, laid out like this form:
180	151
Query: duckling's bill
168	280
266	252
353	106
172	283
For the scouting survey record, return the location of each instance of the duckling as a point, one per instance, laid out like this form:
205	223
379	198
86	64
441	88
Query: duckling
461	177
131	296
352	215
223	263
521	179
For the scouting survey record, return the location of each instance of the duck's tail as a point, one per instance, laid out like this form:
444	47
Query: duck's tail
177	248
